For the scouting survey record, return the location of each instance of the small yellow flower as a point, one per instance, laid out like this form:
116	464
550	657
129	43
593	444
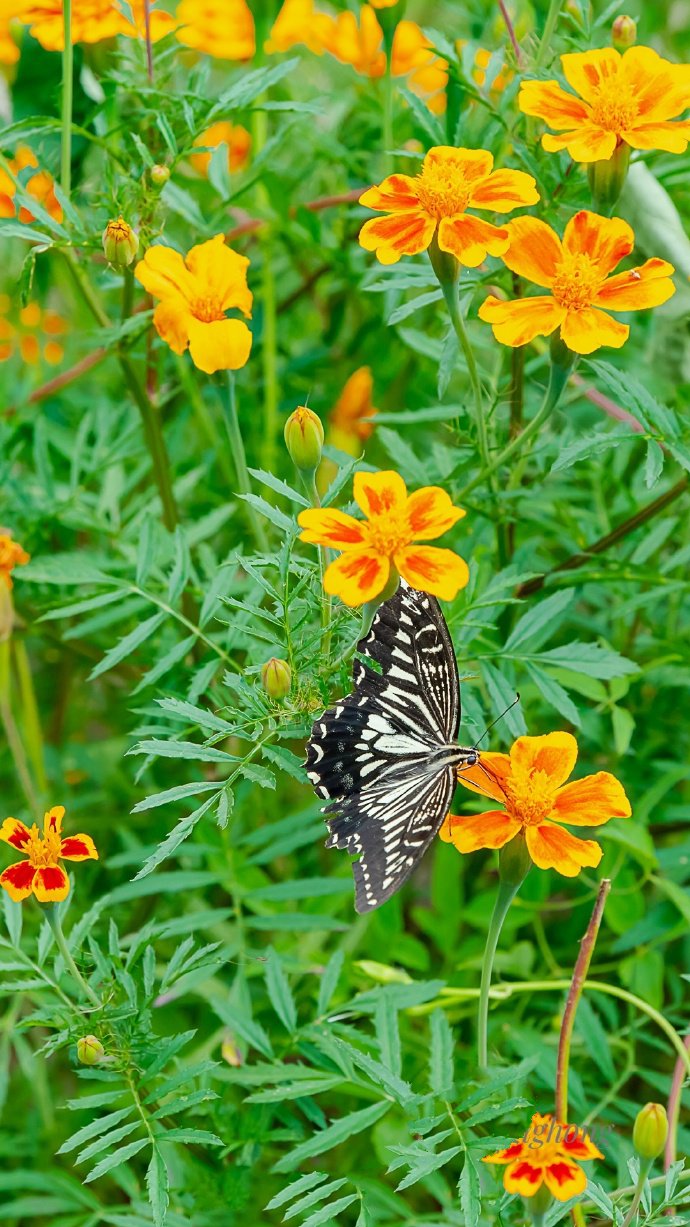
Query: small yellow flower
351	417
41	873
236	138
40	185
195	292
221	28
92	21
386	542
11	555
32	335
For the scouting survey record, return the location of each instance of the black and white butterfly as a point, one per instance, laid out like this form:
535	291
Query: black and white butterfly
386	755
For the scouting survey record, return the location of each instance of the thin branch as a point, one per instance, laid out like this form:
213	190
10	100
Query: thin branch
519	60
584	959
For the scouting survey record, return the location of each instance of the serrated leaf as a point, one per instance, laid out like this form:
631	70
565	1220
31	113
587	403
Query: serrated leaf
96	1127
535	624
329	981
115	1159
468	1188
279	991
157	1187
128	644
339	1131
441	1075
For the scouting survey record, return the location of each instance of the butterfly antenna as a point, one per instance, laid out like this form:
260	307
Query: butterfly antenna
493	722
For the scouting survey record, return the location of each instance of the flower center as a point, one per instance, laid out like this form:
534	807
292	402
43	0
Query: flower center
207	309
443	191
42	851
614	107
388	533
576	282
529	796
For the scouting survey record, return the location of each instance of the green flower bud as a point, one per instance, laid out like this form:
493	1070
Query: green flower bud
606	178
159	175
120	243
623	32
304	439
90	1050
276	678
650	1131
514	862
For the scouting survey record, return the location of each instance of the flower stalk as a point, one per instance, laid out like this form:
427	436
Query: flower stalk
584	959
513	866
67	95
52	915
239	456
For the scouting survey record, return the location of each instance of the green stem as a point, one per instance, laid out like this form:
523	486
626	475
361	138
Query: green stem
31	718
14	740
388	117
310	486
645	1165
558	378
269	327
240	460
450	293
205	419
67	92
53	917
549	30
506	893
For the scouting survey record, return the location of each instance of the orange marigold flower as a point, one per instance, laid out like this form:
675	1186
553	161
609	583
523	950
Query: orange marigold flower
576	272
236	138
41	873
9	51
547	1155
386	540
623	99
413	57
92	21
435	202
221	28
350	418
195	292
531	783
11	555
41	186
34	334
299	23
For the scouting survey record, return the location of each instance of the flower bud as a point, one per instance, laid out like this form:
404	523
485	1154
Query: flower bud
304	439
90	1050
120	243
276	678
514	861
650	1131
623	32
159	175
606	178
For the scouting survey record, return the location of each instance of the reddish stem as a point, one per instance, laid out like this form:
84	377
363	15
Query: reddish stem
511	34
147	36
315	206
673	1110
584	959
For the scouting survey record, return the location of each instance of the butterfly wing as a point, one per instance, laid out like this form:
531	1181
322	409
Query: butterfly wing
385	756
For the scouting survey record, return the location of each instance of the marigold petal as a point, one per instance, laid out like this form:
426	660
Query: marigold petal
429	569
396	194
552	847
516	1150
430	513
591	801
357	576
553	753
221	345
535	250
504	190
380	493
587	330
493	829
51	884
488	776
523	1177
671	137
52	821
469	239
522	319
564	1179
586	70
18	880
661	90
398	234
548	101
577	1144
590	143
78	848
221	274
172	320
605	240
14	832
648	285
476	164
164	274
327	526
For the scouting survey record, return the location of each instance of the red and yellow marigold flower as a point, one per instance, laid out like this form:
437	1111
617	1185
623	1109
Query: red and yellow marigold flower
11	555
387	540
575	271
41	186
434	204
195	292
236	138
41	873
221	28
550	1154
92	21
530	783
628	99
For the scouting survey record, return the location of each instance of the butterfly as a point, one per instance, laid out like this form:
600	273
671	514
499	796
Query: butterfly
386	756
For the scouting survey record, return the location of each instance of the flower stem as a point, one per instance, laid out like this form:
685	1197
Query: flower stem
7	721
449	286
583	961
388	117
549	30
645	1165
53	917
269	331
506	893
240	461
31	719
310	486
673	1110
67	93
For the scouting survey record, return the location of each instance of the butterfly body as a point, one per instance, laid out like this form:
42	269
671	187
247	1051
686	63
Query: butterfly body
386	756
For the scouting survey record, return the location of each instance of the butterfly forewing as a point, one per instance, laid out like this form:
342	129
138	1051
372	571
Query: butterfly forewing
385	756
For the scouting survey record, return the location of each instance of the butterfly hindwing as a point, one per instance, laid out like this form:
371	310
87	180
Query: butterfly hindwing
385	755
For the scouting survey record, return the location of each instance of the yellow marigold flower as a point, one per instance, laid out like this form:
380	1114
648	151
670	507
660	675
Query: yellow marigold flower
547	1155
33	336
11	555
41	873
41	186
299	23
530	783
195	292
221	28
350	423
622	99
9	51
387	540
383	4
92	21
435	202
234	136
412	57
576	272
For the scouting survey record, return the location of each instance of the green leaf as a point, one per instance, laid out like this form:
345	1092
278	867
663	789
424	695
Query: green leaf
101	1125
326	1139
192	1137
294	1189
279	991
555	694
129	644
182	749
502	695
109	1139
424	1163
157	1187
441	1074
281	521
178	793
329	981
537	622
313	1198
248	87
468	1187
327	1214
590	658
115	1159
